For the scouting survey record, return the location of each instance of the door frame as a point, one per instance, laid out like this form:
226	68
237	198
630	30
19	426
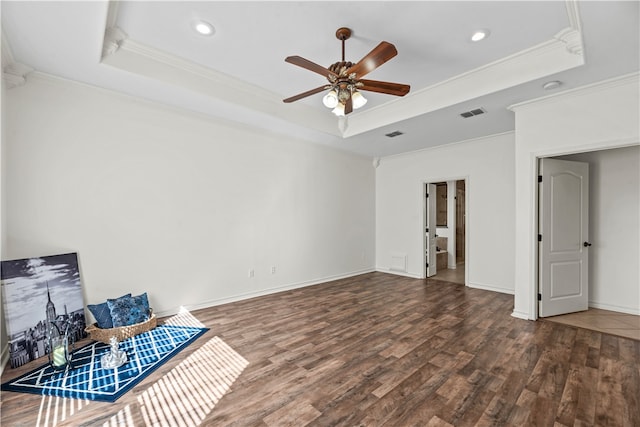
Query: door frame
430	238
467	260
530	242
544	221
534	260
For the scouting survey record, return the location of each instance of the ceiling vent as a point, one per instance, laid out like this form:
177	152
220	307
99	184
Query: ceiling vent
472	113
394	134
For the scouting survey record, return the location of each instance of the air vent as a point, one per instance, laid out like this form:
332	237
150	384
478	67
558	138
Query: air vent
394	134
471	113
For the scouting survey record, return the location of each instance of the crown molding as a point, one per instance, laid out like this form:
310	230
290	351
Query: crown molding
113	8
572	40
573	13
121	52
113	35
278	129
141	59
14	73
113	39
449	145
624	80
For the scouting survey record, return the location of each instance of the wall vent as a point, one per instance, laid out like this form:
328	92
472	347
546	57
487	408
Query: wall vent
398	262
394	134
474	112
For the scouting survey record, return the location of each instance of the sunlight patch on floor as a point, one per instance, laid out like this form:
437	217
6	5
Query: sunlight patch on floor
122	418
187	393
184	318
55	409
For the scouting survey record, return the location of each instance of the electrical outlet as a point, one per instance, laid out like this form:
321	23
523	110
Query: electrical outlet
251	273
273	269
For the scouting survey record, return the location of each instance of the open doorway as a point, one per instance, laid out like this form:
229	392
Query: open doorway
445	248
614	204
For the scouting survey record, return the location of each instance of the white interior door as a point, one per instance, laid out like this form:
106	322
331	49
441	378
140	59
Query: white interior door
430	230
563	204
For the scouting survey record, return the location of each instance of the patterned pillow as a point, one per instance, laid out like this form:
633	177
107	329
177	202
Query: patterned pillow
128	310
102	314
143	303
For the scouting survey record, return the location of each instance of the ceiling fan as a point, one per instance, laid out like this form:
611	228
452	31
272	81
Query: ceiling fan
345	78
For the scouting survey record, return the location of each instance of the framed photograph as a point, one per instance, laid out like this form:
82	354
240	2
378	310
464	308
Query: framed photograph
36	292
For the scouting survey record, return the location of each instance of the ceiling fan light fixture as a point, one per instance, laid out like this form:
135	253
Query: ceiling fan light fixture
358	99
203	28
330	100
339	110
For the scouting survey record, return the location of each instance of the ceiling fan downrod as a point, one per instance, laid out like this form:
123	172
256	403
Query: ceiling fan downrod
343	34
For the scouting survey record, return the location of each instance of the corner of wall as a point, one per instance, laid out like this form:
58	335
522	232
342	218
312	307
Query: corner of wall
3	228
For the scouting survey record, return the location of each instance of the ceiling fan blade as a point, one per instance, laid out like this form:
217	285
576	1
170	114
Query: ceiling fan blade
304	94
308	65
389	88
348	106
378	56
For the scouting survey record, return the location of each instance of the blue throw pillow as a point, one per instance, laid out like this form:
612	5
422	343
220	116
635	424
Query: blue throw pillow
128	310
142	301
102	314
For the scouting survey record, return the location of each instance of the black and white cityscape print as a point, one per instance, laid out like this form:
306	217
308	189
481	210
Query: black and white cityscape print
39	293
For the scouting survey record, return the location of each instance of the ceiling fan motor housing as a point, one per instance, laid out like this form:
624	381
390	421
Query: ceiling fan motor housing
340	68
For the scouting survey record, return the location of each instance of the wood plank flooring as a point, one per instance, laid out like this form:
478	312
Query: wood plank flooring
371	350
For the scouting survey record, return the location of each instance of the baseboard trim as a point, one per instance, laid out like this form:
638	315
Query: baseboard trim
269	291
398	273
520	315
616	308
491	288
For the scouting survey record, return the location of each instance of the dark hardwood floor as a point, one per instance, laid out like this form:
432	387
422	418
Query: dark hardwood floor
371	350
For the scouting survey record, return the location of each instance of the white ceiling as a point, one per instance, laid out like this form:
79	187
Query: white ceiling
239	73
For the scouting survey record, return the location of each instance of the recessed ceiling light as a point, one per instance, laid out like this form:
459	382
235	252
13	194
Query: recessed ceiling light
203	28
555	84
480	35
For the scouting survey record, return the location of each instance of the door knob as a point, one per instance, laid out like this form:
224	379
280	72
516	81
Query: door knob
586	244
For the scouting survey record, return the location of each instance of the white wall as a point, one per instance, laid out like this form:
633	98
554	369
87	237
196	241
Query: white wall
600	116
614	228
487	165
177	205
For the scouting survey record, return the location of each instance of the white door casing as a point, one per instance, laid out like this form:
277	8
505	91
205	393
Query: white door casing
563	215
431	230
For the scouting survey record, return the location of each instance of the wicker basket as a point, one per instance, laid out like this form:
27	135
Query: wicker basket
121	333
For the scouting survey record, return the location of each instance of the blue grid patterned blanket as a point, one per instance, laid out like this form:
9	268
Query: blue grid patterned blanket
87	380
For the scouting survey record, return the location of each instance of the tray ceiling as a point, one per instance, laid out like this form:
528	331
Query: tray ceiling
150	50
